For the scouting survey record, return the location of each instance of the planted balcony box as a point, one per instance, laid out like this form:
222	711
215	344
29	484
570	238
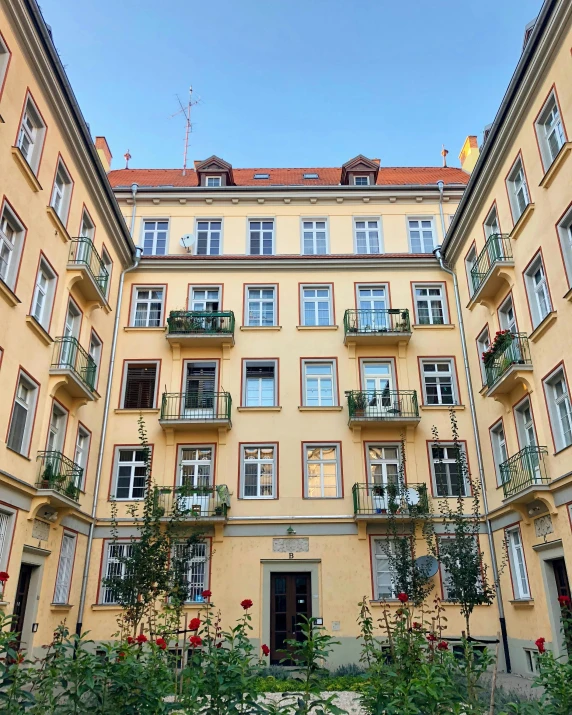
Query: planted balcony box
360	404
502	341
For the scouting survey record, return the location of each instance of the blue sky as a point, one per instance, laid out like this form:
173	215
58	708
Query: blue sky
289	82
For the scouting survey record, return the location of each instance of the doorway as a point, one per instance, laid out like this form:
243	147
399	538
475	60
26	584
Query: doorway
290	598
561	578
21	601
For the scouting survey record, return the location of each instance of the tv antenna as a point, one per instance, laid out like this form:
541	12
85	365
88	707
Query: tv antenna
186	112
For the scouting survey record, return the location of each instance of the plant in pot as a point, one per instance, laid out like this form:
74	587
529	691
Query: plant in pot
360	403
218	510
48	476
71	491
378	498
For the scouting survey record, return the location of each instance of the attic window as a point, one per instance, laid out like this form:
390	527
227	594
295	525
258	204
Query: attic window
261	176
311	176
361	180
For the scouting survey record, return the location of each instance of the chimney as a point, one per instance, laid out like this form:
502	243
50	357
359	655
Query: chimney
103	152
469	154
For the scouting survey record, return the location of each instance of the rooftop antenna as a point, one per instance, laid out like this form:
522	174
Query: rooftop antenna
186	112
444	153
127	156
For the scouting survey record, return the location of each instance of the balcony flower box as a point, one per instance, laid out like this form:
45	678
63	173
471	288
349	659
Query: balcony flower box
503	338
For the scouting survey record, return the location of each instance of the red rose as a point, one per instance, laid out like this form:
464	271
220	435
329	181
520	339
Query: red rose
195	641
206	594
564	600
431	637
265	650
219	644
246	604
195	624
417	626
539	643
130	640
162	643
443	645
120	655
141	639
3	577
403	597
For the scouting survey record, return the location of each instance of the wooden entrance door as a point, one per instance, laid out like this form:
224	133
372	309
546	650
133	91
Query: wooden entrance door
290	595
22	599
561	577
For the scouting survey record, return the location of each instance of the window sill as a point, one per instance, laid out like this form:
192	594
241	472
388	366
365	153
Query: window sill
8	294
317	327
434	326
562	449
542	327
60	228
24	456
136	410
521	223
320	408
133	329
442	407
554	168
26	169
40	331
252	408
522	602
60	606
260	327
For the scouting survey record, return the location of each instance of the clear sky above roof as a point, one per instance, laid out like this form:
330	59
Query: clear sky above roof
289	82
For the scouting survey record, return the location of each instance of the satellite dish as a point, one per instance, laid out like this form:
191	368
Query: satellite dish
413	496
187	241
427	565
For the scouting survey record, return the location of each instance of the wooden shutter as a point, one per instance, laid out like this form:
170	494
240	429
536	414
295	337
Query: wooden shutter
65	569
140	386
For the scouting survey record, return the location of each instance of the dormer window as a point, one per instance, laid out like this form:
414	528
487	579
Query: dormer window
261	176
213	181
214	172
311	176
360	171
361	180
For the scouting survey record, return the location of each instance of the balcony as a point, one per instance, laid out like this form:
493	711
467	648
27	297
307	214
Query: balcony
207	504
377	327
195	410
377	407
60	476
506	367
524	472
92	276
76	365
489	273
383	501
197	327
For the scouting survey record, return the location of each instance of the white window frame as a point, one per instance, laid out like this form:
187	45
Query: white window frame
61	192
531	656
65	567
564	229
81	451
523	426
124	546
448	459
379	556
209	231
319	379
86	226
126	366
517	563
30	406
5	56
95	348
470	261
537	292
323	461
147	301
368	230
12	234
260	462
550	110
499	448
198	571
260	301
261	231
193	300
196	464
420	228
134	463
261	363
315	300
491	221
108	263
57	428
33	130
442	297
380	501
361	176
314	230
44	293
216	182
504	319
483	344
154	232
515	182
451	374
559	408
7	522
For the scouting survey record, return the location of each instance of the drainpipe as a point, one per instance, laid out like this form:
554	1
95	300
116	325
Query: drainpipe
500	603
136	260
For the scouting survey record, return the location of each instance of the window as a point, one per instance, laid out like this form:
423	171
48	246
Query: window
31	134
108	264
148	308
531	660
261	176
205	299
192	560
319	388
564	229
438	382
446	466
483	344
57	429
500	451
131	473
260	306
61	192
81	450
196	469
470	261
115	569
525	425
4	62
314	237
316	305
140	385
322	471
213	181
517	190
430	304
558	399
209	237
261	238
361	180
6	527
12	234
537	291
259	382
86	229
383	462
367	235
507	317
44	291
155	238
383	576
311	176
517	564
95	352
258	471
22	418
65	568
421	235
550	131
492	225
444	572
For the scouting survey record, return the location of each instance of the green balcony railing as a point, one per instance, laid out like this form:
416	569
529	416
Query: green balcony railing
194	502
373	322
497	249
375	405
523	470
59	473
83	253
196	406
199	322
515	351
69	355
399	499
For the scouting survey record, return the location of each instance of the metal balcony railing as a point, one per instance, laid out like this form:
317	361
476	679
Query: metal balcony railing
497	249
523	470
59	473
516	351
69	355
199	322
82	252
196	406
378	405
193	501
367	322
402	499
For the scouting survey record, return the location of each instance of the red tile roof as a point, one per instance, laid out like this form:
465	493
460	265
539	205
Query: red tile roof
328	176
